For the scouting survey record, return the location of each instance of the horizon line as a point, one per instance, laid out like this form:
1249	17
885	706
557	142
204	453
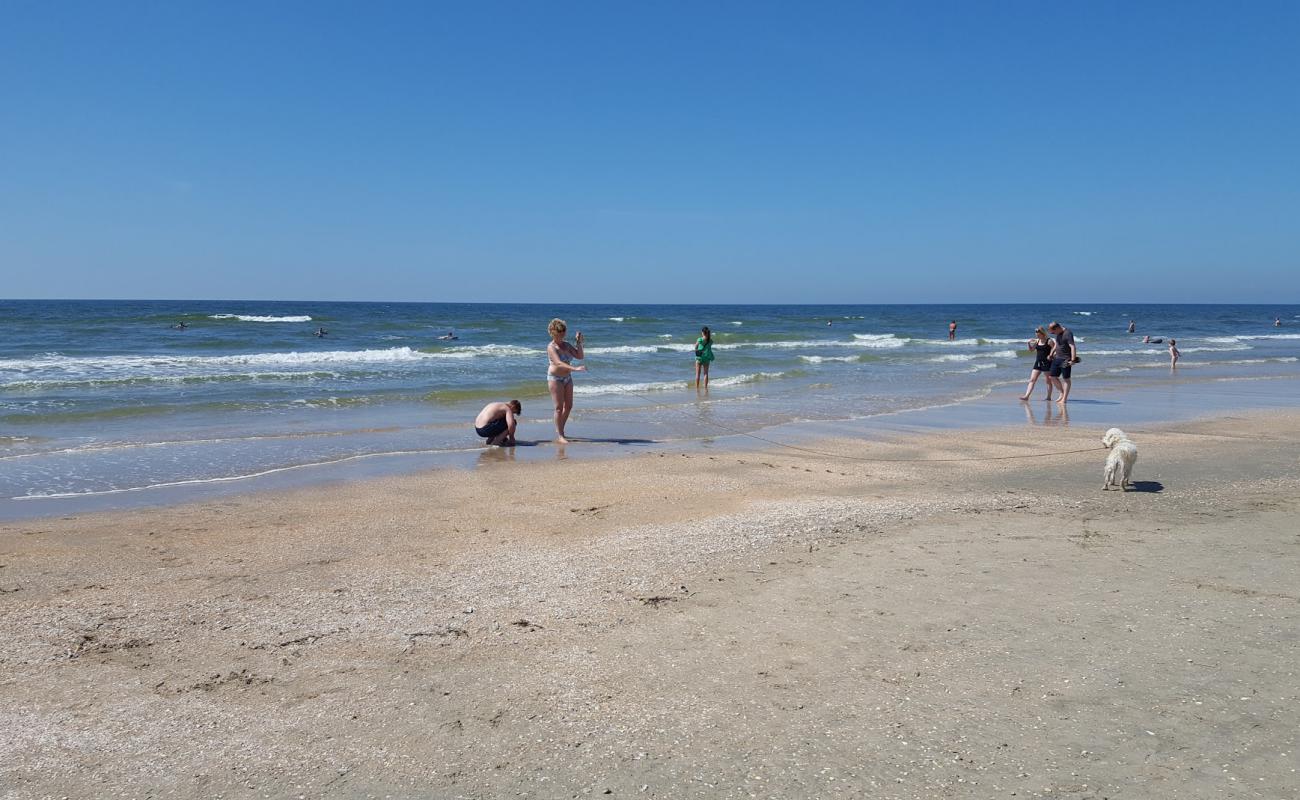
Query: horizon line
619	303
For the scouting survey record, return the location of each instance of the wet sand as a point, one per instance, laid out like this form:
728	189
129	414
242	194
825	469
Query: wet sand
703	623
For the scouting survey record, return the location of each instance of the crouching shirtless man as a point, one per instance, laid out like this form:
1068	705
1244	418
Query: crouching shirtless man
497	421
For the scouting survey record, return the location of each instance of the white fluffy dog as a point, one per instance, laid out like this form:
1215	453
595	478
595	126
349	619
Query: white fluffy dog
1119	464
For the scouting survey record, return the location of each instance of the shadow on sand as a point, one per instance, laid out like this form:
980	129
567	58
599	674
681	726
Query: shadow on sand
1146	486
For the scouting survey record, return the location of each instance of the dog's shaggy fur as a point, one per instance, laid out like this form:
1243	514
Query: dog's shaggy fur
1119	464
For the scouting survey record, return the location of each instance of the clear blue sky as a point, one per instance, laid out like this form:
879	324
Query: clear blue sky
656	152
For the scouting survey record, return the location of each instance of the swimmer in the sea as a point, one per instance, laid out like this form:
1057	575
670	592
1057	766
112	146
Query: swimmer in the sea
320	332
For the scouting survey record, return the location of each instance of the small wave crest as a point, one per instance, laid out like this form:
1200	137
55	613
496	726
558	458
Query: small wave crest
973	356
880	340
826	359
668	386
259	318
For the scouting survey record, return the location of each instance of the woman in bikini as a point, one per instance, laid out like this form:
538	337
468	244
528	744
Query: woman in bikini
559	375
1042	347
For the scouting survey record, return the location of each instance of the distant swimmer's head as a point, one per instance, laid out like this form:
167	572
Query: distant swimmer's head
516	406
558	327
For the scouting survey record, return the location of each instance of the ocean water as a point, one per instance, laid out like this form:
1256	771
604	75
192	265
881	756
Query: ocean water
107	398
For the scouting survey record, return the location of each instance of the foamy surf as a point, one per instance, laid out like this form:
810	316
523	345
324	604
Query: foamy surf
390	355
973	356
880	340
829	359
669	386
259	318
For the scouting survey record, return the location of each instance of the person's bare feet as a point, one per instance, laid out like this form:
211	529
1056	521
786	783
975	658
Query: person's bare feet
561	440
1024	397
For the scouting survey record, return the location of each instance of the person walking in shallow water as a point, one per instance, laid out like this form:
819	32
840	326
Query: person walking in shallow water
952	331
1042	347
559	373
703	356
1063	360
1174	355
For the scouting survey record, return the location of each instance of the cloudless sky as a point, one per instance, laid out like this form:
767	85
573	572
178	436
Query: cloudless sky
651	152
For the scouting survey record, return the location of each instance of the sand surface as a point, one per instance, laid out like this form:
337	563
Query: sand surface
702	624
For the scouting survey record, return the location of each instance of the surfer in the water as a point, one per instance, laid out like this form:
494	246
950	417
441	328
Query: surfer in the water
180	326
449	336
320	332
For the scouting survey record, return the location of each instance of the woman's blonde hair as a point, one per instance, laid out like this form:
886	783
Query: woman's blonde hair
557	326
1039	331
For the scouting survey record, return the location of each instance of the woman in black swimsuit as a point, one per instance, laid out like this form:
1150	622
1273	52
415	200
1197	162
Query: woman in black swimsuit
1043	348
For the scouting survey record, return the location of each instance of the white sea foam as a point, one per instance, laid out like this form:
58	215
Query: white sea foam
475	351
1084	313
973	356
824	359
71	382
947	342
665	336
737	322
1279	360
983	365
882	341
1210	349
631	348
668	386
616	319
134	364
256	318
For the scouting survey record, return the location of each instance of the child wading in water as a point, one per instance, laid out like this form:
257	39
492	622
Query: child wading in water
703	356
1173	353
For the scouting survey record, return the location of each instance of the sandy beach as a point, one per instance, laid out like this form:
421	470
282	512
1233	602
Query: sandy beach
939	615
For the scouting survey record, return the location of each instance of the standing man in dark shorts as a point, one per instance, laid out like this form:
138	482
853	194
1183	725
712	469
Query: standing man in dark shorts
1065	357
497	421
952	330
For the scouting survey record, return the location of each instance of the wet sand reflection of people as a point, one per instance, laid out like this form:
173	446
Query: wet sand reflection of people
496	455
1053	414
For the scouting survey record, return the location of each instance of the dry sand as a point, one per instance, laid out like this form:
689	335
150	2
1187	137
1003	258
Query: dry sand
702	624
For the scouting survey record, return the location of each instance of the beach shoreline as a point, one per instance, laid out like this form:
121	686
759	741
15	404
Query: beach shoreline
103	404
1140	406
712	622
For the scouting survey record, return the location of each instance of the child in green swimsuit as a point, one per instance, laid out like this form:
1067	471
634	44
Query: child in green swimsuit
703	356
